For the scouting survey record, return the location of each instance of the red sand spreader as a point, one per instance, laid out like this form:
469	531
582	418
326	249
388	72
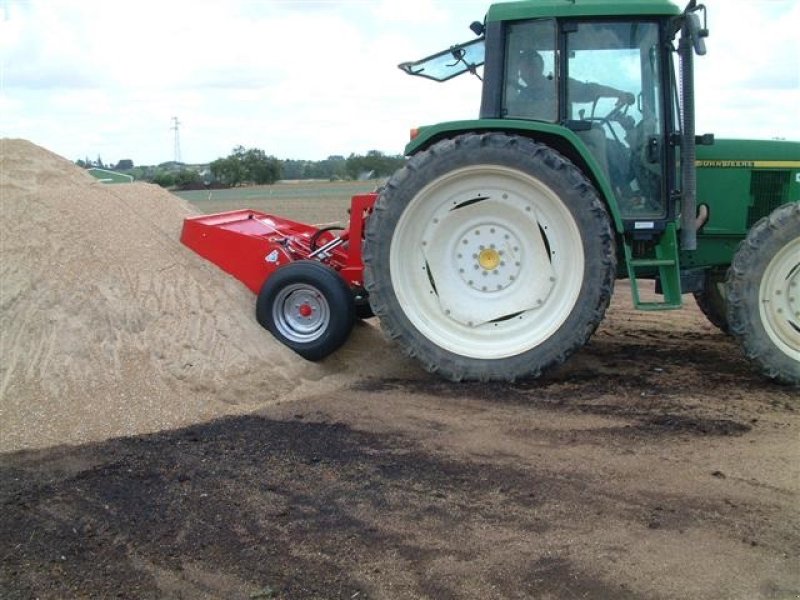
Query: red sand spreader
309	279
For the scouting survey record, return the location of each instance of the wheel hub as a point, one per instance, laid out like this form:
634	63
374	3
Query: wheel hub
301	312
487	261
488	258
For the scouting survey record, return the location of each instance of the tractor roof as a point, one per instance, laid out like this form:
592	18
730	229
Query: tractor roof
532	9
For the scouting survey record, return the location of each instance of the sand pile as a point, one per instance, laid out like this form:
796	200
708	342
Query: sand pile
109	326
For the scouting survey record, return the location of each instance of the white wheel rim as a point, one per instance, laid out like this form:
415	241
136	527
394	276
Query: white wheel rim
779	299
301	313
492	278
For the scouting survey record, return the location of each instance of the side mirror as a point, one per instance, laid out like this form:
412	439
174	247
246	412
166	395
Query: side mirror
477	28
696	33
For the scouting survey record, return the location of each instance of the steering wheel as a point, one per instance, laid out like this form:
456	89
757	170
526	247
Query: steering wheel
619	111
617	114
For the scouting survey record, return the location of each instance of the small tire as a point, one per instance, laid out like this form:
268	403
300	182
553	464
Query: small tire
489	257
308	307
711	300
763	294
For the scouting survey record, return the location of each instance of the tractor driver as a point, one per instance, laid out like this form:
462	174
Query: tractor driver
532	94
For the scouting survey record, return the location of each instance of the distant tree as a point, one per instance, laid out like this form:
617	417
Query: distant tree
228	171
374	165
252	165
293	169
125	164
164	179
144	173
333	167
354	165
260	168
82	164
99	162
187	177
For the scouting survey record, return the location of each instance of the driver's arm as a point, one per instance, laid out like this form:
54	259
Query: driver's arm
580	91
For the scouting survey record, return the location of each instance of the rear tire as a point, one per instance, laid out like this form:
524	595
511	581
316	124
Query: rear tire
308	307
763	293
489	257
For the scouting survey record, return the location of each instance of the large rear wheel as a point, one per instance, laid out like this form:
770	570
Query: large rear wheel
763	292
489	257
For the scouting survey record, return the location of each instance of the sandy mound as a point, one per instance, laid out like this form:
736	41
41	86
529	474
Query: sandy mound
109	326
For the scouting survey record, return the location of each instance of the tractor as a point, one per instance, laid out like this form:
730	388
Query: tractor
492	254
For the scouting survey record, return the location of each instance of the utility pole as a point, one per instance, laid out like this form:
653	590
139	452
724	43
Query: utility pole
175	127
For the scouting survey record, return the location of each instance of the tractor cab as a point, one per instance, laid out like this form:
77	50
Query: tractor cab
596	80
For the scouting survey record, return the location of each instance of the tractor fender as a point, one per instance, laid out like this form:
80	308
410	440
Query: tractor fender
557	137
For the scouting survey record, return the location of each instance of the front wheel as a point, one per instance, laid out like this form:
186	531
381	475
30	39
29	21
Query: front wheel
763	292
711	300
489	257
308	307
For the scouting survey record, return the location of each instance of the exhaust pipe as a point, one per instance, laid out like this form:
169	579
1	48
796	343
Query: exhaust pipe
691	41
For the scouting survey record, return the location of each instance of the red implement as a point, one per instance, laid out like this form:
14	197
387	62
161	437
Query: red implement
251	245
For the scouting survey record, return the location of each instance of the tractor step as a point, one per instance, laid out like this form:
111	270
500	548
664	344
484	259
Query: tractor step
666	262
652	262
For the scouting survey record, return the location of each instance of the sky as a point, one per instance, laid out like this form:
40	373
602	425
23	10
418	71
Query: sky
306	79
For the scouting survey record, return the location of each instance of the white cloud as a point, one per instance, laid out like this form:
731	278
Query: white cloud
748	85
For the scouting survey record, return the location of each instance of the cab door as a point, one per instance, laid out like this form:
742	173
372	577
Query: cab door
613	93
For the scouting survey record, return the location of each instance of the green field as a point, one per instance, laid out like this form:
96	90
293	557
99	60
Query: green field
308	202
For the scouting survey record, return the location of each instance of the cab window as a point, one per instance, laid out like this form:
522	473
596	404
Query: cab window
530	71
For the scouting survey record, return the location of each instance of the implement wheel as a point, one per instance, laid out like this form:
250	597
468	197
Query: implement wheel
489	257
763	291
308	307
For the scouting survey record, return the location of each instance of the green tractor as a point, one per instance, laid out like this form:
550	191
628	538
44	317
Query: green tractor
492	255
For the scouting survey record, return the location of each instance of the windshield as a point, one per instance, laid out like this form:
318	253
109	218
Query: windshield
449	63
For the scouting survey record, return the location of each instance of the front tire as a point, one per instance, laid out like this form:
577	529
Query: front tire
763	292
489	257
308	307
711	300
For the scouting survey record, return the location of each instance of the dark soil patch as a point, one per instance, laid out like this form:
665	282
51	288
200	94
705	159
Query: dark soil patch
649	413
679	424
286	509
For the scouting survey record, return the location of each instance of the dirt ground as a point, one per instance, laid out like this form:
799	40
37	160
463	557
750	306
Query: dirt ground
655	464
156	443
